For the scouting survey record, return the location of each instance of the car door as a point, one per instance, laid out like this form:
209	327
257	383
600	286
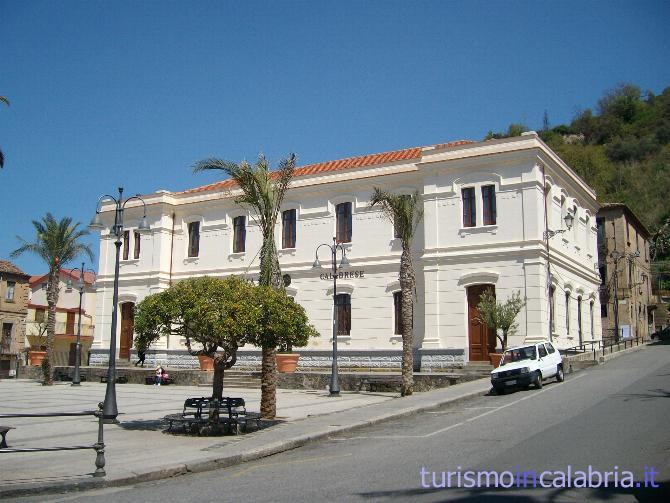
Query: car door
547	366
554	355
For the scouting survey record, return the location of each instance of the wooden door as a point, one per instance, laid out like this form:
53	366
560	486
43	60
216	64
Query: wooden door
127	327
72	355
69	323
482	339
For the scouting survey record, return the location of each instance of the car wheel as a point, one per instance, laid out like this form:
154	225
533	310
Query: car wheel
537	381
560	377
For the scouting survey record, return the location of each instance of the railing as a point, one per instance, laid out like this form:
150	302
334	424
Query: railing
99	446
61	327
604	346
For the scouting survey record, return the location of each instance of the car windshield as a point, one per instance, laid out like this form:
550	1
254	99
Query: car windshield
519	354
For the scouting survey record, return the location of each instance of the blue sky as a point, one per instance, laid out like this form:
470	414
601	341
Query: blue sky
133	93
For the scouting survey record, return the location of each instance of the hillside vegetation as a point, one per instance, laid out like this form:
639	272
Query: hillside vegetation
622	150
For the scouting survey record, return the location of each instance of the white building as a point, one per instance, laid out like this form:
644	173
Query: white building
488	207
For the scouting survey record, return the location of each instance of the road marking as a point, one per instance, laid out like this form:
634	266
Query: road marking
244	471
474	418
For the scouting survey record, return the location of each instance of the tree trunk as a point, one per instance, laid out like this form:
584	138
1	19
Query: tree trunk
270	275
407	287
52	300
269	383
219	370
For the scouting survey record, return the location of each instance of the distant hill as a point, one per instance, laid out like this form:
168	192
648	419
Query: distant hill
622	150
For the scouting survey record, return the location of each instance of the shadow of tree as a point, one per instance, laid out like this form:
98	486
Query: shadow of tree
143	425
660	493
652	393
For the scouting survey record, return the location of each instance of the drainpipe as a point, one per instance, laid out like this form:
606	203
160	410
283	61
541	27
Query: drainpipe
171	247
546	243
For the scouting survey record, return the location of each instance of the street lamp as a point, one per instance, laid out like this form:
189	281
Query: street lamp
109	410
617	256
334	380
81	286
569	220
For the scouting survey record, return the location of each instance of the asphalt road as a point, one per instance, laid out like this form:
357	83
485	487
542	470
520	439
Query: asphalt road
613	418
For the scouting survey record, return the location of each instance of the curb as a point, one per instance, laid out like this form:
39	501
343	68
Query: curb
231	460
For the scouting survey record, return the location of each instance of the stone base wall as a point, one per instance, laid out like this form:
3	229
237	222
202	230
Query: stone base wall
434	360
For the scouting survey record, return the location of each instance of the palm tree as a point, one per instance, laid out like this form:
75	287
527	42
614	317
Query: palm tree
56	243
2	156
405	212
263	192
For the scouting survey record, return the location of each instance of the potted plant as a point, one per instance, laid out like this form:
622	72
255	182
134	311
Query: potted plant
38	348
206	362
499	317
287	360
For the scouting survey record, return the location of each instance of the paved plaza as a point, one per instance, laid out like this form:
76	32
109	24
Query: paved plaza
138	448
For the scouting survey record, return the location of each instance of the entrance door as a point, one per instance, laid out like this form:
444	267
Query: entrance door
127	327
72	355
482	340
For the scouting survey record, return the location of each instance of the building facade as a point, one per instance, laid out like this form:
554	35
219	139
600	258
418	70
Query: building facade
13	311
67	316
488	207
625	271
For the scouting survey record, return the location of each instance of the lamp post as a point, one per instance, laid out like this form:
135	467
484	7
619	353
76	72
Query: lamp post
109	410
547	235
334	380
81	286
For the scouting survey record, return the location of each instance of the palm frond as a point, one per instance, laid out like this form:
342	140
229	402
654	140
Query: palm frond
4	100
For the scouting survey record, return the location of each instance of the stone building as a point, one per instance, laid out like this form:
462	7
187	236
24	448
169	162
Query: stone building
13	311
624	265
506	215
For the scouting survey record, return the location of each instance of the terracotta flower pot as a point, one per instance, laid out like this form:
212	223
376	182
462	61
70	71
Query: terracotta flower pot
495	359
206	362
36	357
287	362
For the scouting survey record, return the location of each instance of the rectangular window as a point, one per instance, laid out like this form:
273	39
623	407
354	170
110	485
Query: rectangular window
600	223
469	211
489	203
397	310
567	312
591	312
6	337
9	295
239	234
136	249
343	314
193	239
288	229
126	244
39	314
343	222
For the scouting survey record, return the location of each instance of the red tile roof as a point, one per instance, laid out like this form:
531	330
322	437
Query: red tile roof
341	164
89	277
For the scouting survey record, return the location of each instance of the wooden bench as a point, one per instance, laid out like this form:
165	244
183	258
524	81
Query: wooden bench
201	413
3	432
151	379
120	379
381	383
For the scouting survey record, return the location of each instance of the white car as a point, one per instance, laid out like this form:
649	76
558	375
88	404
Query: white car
526	365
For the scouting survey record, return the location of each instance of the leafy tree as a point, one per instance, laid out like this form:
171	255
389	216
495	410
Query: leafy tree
213	316
263	193
500	315
216	316
405	212
2	156
56	243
